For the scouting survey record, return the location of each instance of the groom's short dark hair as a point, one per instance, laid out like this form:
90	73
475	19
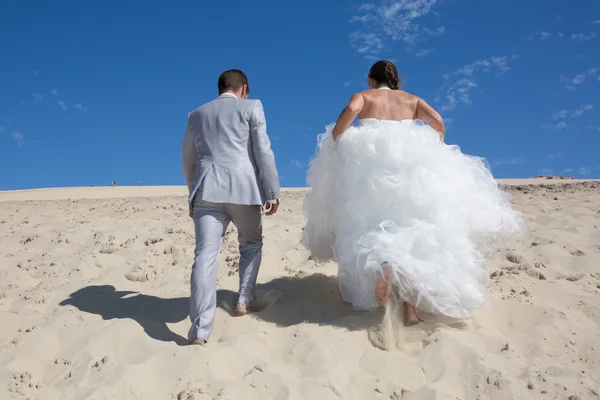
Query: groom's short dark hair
232	79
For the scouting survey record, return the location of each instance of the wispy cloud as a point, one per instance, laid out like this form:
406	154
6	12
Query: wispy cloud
460	83
54	92
1	129
554	156
582	37
395	20
571	83
18	137
297	163
508	161
37	96
423	53
565	116
578	37
80	107
596	22
62	105
585	171
593	127
543	35
347	83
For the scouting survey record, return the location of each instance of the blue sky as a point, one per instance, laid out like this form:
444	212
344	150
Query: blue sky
96	91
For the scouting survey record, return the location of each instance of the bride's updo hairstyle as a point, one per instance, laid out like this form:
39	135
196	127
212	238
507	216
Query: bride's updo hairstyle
384	72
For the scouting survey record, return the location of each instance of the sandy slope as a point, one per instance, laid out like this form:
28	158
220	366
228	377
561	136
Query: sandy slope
93	304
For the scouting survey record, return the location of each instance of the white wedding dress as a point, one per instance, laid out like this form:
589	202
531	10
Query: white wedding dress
391	191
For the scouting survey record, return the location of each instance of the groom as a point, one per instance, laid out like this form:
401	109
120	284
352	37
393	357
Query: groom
230	172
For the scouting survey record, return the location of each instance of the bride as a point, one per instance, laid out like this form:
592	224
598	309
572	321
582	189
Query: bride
399	210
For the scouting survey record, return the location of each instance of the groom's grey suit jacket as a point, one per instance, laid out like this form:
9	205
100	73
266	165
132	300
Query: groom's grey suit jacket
227	156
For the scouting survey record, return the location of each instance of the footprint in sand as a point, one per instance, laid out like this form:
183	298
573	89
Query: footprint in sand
541	242
577	253
233	264
143	273
98	365
262	301
23	384
515	258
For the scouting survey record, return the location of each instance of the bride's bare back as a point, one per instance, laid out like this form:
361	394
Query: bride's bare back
392	105
395	105
385	101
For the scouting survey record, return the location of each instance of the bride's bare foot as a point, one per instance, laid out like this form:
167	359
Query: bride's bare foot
410	315
383	290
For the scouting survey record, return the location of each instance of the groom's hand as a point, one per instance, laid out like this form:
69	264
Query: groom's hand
271	208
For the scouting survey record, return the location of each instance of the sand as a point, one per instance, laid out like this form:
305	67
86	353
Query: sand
94	287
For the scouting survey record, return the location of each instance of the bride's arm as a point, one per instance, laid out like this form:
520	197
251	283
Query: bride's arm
426	113
348	114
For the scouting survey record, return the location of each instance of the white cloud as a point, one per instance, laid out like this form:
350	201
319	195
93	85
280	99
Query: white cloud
62	105
347	83
582	37
37	97
509	161
545	35
1	129
18	137
459	84
593	127
565	115
54	92
367	44
578	80
80	107
579	112
584	171
562	114
561	125
296	163
596	22
554	156
396	20
573	82
423	53
546	171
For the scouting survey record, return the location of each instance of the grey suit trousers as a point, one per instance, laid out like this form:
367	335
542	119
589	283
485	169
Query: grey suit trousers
211	221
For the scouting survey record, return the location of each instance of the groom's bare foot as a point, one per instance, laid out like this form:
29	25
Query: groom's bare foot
198	342
383	290
241	309
410	315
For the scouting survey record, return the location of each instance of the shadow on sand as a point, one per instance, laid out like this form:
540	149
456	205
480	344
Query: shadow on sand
284	301
151	312
313	299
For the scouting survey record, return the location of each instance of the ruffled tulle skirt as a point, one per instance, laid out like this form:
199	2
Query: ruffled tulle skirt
391	192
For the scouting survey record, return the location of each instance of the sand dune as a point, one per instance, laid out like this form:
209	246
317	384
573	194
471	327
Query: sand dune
94	291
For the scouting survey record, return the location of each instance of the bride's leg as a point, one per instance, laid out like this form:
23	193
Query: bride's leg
383	290
410	314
